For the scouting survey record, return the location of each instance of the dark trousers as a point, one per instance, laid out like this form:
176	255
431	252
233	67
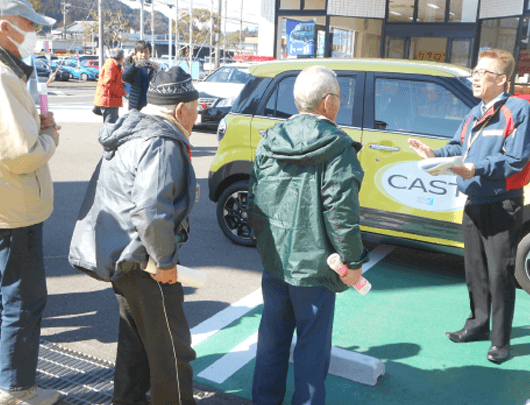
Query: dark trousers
154	343
310	310
110	114
491	236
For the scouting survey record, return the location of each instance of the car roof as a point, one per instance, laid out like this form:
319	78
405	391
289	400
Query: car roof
272	69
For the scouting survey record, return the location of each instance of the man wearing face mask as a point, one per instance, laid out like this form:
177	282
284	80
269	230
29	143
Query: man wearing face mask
27	143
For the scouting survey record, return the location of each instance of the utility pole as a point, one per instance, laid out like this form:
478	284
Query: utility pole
177	36
170	40
142	20
65	11
152	27
218	34
241	29
191	35
101	37
224	37
210	52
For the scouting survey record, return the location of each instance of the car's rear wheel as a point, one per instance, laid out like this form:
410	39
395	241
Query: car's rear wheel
84	77
232	214
522	263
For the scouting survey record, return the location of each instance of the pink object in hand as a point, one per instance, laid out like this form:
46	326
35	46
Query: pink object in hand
43	104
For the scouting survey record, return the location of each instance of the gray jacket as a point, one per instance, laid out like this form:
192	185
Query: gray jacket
138	200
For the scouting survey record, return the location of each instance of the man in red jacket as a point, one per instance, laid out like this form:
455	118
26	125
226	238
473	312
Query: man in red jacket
109	93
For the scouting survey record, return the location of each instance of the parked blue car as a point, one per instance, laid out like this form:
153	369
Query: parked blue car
80	72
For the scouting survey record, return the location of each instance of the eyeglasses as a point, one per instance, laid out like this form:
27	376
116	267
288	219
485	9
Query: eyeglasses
341	98
482	72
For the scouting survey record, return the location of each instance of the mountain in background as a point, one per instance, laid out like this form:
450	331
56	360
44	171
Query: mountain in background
81	10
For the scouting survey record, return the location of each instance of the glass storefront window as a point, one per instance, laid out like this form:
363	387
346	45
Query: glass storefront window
431	49
461	52
431	11
522	76
301	37
463	10
499	33
289	4
356	37
394	47
315	5
401	11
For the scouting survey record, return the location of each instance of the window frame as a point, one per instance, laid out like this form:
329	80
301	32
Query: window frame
449	83
357	115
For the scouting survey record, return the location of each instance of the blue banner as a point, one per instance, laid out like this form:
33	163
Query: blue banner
300	38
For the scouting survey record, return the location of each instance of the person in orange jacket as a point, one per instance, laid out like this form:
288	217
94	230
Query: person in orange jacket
110	92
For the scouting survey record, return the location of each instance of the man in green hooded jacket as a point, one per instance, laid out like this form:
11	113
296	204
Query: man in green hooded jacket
304	205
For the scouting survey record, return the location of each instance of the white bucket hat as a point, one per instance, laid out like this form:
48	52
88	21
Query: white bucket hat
11	8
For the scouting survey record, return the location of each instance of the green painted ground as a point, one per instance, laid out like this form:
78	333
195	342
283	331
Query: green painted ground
402	321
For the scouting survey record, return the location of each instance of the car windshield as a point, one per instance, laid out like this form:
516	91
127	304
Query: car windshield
229	75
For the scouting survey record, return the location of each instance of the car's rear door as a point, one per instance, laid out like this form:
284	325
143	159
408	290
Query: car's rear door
397	198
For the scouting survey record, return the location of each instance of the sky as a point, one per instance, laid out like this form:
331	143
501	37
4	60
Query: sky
250	12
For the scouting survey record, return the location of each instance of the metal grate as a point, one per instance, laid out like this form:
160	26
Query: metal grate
82	379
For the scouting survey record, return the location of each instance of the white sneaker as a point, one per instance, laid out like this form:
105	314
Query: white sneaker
31	396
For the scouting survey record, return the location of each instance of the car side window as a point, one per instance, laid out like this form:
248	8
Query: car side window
281	102
417	106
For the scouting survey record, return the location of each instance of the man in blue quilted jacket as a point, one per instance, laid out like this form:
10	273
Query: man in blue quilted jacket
494	141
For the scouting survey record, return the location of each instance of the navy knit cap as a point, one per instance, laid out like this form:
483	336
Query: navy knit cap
169	87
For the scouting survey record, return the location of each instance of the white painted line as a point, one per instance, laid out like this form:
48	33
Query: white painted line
350	365
376	255
222	319
231	362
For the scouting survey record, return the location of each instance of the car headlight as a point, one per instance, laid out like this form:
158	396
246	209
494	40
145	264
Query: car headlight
226	102
221	129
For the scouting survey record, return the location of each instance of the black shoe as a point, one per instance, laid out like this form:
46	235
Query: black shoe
498	354
465	335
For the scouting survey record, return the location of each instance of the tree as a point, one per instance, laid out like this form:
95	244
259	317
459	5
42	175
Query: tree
36	5
114	25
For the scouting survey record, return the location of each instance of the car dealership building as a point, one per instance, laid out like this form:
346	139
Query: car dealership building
452	31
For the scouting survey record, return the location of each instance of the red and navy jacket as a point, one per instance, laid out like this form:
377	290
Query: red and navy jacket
501	153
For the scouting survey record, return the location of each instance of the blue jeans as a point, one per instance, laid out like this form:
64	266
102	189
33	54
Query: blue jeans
24	294
310	310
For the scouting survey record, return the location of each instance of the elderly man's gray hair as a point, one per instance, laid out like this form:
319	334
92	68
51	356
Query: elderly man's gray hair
312	85
116	53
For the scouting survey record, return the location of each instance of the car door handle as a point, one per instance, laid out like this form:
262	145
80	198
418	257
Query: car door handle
383	147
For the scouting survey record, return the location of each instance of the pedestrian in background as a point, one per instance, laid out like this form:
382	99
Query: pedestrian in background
137	206
138	74
27	142
304	205
110	92
494	141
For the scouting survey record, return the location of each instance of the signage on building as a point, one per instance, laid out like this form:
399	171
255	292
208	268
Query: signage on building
430	55
300	38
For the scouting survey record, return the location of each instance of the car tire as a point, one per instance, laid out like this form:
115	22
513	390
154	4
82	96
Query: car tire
522	264
232	214
83	77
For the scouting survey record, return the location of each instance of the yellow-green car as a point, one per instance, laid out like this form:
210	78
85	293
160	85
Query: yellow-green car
387	102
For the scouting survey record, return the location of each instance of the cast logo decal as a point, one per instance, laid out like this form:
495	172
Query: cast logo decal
408	185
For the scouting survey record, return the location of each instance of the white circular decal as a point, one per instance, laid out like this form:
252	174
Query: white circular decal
408	185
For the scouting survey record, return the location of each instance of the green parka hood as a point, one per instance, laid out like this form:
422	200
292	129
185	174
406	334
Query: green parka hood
306	140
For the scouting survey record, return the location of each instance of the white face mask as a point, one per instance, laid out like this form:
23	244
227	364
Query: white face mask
27	47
